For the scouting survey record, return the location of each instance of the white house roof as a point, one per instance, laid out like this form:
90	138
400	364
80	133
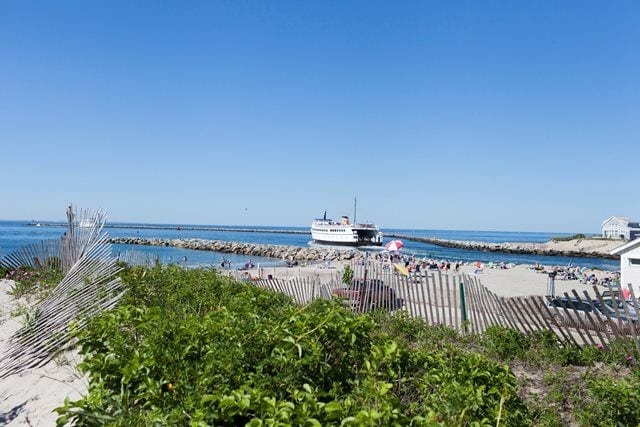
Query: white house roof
620	218
626	247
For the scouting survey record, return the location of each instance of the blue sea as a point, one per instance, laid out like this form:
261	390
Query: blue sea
14	234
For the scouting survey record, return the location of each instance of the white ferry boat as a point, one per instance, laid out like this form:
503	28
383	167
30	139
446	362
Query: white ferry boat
327	231
87	223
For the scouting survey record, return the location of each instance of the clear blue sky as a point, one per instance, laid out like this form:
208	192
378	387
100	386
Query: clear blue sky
457	115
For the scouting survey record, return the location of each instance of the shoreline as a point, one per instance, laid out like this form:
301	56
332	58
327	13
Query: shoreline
579	248
510	281
594	247
576	248
251	249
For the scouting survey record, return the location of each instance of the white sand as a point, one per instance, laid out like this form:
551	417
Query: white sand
520	280
30	397
587	245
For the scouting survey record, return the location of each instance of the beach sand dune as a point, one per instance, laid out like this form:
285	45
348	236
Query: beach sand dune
29	398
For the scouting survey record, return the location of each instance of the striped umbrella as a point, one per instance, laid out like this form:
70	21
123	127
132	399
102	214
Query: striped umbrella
394	245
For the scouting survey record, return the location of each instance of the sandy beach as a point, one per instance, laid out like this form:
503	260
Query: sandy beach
30	397
518	280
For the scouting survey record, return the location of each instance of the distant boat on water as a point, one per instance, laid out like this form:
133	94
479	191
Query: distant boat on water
87	223
329	232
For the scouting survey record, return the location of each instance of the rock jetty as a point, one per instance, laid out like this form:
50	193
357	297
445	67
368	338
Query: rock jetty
593	248
253	249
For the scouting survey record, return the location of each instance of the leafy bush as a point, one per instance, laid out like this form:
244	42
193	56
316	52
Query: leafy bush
415	332
30	281
505	343
586	355
347	275
611	402
194	348
463	388
568	238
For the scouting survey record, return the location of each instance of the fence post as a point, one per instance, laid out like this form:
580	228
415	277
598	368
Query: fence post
463	307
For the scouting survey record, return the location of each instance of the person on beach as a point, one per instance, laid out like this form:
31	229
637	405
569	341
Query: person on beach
479	267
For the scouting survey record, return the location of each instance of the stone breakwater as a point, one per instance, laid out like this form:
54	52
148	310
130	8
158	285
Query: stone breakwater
187	228
593	248
253	249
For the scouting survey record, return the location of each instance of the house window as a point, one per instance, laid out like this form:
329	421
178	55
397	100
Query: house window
634	261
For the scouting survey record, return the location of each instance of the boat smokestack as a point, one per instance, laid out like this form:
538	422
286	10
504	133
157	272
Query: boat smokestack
355	205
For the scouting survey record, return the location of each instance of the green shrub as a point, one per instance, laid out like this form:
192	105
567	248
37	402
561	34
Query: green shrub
415	332
463	388
611	402
30	281
347	275
504	343
568	238
190	347
615	353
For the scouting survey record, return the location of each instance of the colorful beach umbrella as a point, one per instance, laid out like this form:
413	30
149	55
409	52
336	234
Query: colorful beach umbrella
394	245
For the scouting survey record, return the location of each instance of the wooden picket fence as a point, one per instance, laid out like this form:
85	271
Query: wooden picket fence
138	258
64	252
41	254
89	287
463	303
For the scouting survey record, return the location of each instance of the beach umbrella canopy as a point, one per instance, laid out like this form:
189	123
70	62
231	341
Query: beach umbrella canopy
394	245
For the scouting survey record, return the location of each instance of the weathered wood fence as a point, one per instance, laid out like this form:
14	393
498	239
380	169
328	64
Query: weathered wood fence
133	257
89	286
463	303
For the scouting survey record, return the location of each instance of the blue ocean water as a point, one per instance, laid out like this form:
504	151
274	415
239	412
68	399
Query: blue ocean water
14	234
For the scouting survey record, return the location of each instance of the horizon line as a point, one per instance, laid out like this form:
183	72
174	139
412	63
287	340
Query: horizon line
302	226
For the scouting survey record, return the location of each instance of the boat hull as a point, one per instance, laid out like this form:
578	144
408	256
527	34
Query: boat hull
329	233
350	244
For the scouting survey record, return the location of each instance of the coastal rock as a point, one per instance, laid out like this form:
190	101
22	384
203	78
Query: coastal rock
251	249
593	248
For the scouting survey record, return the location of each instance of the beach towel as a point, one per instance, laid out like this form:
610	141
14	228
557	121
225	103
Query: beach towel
401	268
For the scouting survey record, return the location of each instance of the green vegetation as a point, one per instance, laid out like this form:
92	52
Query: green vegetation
568	238
35	282
611	401
347	275
190	347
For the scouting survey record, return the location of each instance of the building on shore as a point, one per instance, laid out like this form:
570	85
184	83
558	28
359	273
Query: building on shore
629	265
620	227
